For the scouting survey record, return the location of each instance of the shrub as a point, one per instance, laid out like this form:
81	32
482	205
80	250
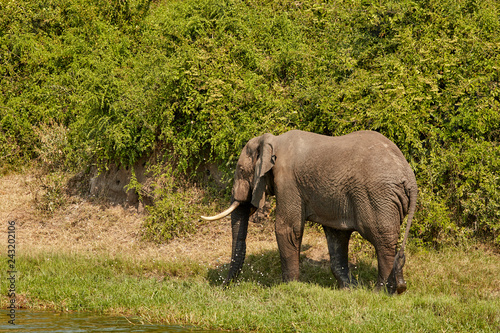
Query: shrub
174	205
201	77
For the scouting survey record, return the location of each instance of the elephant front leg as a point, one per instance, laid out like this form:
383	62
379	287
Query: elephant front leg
289	240
338	247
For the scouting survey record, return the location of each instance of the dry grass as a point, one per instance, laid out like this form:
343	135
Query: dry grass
88	225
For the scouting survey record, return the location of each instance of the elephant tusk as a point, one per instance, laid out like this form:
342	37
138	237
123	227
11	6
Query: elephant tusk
223	214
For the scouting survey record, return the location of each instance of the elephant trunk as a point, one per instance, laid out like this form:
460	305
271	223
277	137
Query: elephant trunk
239	225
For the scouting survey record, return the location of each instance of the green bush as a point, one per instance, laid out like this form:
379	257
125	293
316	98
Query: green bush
201	77
174	207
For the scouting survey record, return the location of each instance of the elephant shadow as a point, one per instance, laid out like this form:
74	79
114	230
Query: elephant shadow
264	269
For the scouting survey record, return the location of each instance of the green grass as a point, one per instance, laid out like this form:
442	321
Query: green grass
454	290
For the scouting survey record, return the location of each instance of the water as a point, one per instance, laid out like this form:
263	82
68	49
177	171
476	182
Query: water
27	321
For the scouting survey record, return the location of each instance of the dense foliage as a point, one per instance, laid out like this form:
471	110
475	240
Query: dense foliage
121	78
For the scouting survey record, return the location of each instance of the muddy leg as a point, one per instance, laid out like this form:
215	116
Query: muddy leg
338	246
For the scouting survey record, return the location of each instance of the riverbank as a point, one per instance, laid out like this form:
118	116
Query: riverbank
90	256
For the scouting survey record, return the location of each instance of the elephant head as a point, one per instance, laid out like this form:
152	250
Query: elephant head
252	180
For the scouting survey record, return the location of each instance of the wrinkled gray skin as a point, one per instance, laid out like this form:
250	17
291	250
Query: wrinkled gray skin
357	182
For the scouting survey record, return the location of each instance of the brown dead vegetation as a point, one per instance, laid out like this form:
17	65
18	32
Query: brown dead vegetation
94	225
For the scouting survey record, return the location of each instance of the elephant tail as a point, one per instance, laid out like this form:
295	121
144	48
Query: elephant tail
396	281
412	192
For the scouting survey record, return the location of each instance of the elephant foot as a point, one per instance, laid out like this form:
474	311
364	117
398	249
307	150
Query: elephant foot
397	289
347	283
289	277
396	283
394	287
353	283
401	287
381	286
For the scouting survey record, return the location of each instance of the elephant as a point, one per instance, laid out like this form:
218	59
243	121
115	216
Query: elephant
355	182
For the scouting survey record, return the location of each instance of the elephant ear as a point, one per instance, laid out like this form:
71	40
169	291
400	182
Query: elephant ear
263	165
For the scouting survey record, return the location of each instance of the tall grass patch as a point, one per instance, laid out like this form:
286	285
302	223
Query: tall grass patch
443	295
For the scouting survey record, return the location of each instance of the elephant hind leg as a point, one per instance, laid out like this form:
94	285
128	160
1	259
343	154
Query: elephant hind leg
390	270
396	281
382	229
338	247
